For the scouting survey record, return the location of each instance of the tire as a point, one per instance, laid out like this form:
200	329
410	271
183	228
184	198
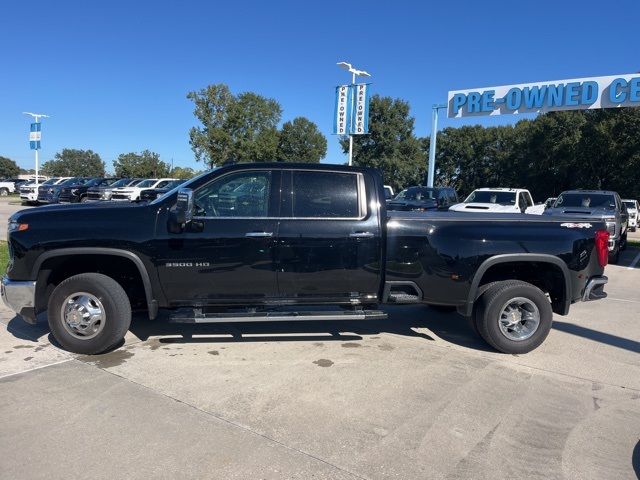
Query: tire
614	256
504	295
84	199
4	192
623	242
115	312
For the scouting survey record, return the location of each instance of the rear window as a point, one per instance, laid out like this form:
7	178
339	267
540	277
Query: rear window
630	204
325	195
484	196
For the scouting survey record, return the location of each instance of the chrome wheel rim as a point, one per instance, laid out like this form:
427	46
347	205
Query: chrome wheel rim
519	319
83	315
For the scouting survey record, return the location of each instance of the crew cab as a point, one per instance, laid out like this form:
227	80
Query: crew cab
496	200
239	242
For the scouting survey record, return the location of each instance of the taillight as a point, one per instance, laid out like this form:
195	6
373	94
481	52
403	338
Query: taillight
602	247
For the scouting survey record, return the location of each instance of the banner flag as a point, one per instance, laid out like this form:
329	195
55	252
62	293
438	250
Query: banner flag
342	114
35	135
360	124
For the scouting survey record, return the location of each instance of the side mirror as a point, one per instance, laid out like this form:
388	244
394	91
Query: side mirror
182	212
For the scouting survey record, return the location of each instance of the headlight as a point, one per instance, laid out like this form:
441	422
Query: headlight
14	226
106	195
611	228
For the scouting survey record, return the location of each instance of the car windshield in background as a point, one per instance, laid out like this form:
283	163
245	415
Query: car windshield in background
416	193
630	205
123	182
586	200
146	183
500	198
50	181
71	181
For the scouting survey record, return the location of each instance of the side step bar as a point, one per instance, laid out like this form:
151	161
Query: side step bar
189	315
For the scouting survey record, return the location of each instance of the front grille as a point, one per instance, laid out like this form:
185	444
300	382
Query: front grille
65	195
119	196
94	195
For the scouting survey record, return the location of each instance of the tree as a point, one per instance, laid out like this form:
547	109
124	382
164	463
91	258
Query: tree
183	173
73	162
391	145
8	168
301	141
242	128
146	165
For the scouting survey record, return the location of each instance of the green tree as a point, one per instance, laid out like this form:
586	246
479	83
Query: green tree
8	168
146	165
183	173
301	141
391	145
242	127
71	162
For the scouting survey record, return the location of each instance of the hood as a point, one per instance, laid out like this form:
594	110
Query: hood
484	207
77	209
411	204
581	212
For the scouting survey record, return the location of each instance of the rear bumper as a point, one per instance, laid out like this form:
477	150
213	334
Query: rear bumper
20	296
594	290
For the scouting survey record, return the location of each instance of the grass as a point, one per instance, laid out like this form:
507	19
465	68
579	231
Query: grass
633	243
4	257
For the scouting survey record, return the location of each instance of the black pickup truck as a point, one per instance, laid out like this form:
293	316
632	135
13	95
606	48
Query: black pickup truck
242	242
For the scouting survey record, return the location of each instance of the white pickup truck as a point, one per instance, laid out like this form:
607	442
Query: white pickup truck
496	200
6	188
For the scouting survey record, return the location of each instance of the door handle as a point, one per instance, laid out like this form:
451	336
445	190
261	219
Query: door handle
258	234
361	235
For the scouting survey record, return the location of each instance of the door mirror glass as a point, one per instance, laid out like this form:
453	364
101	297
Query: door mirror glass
184	206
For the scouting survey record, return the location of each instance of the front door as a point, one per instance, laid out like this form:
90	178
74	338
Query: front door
226	254
329	242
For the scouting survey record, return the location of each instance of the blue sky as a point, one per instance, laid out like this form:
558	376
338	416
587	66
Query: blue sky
114	75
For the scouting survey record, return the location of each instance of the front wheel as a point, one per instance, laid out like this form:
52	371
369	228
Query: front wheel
513	316
89	313
4	192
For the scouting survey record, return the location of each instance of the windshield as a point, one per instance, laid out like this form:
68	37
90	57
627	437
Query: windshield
186	184
416	193
487	196
71	181
147	183
50	181
586	200
120	183
630	204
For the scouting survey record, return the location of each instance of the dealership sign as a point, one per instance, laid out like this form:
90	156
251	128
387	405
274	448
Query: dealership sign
35	135
351	114
573	94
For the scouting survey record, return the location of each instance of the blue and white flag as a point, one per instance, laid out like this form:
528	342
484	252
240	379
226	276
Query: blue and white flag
34	136
360	123
342	114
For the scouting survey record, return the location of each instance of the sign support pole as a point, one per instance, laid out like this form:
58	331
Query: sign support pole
353	82
432	143
37	182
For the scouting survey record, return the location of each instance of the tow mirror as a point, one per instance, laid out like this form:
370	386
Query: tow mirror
182	212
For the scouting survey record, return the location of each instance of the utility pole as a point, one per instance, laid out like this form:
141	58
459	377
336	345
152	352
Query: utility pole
432	143
34	136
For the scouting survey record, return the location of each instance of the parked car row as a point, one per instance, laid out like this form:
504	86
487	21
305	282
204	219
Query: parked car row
87	189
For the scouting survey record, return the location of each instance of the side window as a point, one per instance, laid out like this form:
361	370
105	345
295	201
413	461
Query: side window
324	194
453	198
529	199
522	203
162	184
241	194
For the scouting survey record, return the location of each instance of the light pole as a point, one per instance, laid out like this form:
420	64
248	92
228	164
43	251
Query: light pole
37	117
354	73
432	143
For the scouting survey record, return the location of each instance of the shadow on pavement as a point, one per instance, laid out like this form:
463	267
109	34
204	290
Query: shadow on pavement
601	337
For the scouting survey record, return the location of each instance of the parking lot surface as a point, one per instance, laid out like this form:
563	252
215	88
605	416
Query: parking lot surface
416	396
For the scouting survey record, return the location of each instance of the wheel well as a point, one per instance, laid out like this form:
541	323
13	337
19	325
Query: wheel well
56	269
546	276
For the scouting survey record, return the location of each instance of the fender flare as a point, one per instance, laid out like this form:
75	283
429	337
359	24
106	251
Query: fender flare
517	257
152	304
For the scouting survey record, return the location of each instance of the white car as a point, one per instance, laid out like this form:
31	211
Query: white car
29	191
132	194
6	188
633	210
496	200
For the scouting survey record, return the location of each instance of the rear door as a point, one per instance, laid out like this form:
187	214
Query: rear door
330	243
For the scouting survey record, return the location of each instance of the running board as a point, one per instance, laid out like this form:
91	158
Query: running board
189	315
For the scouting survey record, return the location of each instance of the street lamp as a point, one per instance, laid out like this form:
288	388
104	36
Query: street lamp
36	117
432	143
354	73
